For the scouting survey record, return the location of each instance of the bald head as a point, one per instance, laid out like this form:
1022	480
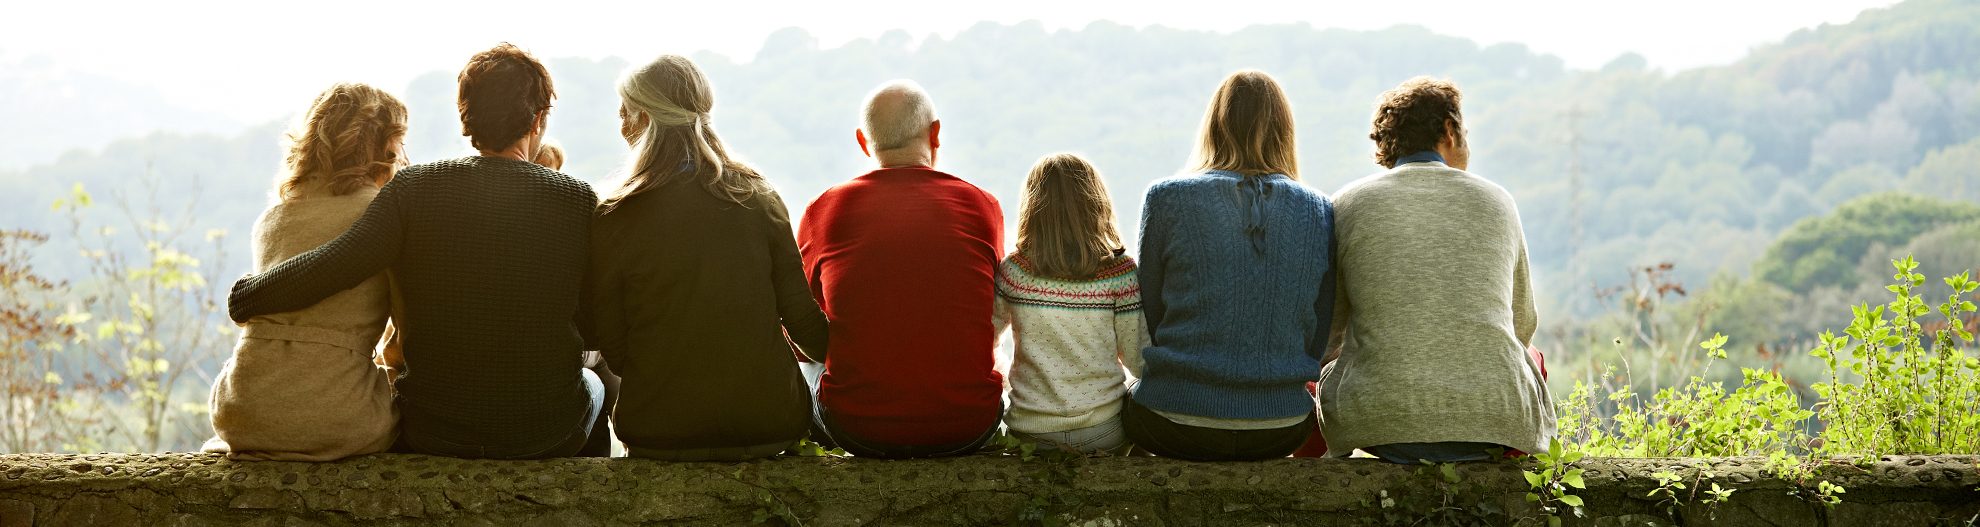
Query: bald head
898	115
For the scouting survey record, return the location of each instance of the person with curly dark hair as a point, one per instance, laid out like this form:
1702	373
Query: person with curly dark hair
1434	313
489	252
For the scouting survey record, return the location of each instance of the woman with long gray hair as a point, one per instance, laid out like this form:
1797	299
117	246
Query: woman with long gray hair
694	284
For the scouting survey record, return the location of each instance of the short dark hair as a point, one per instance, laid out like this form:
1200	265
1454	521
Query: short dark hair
502	91
1412	117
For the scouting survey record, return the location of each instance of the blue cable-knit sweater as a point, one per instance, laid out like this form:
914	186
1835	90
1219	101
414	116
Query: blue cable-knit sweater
1237	286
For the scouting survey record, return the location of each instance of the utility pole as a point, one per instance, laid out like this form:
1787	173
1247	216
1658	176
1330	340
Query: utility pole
1576	270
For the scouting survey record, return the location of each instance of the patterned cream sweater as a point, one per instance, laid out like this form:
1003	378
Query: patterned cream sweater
1073	339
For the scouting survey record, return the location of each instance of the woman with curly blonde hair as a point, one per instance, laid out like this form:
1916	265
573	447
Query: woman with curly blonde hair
301	385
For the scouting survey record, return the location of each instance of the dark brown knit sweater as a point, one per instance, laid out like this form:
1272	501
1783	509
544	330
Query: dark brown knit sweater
691	297
489	254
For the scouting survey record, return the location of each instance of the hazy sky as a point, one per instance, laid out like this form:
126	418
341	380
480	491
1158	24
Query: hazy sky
189	49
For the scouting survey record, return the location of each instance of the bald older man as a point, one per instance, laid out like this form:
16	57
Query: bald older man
902	259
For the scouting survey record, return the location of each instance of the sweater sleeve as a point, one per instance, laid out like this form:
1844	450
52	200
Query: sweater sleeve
1000	315
1341	312
804	322
1154	240
1130	330
601	309
1526	319
370	246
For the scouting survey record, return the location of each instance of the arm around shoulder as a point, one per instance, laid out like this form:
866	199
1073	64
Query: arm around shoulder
368	247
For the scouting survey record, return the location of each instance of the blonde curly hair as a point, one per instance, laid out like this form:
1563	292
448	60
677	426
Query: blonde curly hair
344	142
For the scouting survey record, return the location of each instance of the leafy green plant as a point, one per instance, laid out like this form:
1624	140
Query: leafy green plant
769	507
1697	419
807	448
1447	499
1891	393
1551	485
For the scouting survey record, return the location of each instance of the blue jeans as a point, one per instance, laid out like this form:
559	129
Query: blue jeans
594	389
1433	453
828	434
1107	437
1160	436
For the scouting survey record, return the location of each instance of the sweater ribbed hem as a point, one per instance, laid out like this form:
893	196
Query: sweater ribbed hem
1344	435
1036	422
1271	401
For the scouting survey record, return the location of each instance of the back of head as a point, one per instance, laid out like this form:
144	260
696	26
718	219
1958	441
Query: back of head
550	155
1412	117
898	115
1066	227
502	90
1248	128
344	142
672	99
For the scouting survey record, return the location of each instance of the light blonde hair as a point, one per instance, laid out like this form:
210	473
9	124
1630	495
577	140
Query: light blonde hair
1066	226
1248	128
675	99
343	142
549	155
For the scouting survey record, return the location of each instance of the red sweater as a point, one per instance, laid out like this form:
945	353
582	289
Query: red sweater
903	261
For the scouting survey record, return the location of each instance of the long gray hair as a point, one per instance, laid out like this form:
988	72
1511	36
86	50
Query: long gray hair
678	141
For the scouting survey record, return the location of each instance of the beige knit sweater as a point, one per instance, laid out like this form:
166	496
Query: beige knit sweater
1434	314
301	385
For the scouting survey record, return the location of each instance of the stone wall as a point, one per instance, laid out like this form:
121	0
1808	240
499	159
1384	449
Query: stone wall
203	489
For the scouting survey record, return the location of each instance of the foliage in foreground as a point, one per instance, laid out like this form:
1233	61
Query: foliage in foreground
1898	383
114	362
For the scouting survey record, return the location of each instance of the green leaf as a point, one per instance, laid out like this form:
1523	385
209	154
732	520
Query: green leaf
1450	472
1534	479
1574	479
1571	500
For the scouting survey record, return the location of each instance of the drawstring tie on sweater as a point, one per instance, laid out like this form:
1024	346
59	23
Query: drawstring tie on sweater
1252	194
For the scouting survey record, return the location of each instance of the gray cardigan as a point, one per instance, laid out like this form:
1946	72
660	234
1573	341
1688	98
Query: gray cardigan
1434	315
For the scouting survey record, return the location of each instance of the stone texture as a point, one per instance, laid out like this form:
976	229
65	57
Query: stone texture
204	489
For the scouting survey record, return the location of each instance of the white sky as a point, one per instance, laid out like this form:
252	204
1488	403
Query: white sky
188	48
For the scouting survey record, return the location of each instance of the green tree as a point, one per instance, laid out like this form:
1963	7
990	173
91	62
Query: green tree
1825	250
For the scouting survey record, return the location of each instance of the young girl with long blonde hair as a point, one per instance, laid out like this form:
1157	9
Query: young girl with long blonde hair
1070	296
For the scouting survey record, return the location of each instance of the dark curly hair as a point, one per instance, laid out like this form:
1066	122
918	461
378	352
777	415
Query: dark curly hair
502	91
1411	118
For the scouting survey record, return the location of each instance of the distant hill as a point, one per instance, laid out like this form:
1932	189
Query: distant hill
49	109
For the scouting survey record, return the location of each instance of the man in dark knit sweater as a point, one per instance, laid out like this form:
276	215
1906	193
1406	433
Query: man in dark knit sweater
489	252
903	260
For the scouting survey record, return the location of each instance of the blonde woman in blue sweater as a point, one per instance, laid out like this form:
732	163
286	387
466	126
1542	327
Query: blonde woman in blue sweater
1071	299
1236	286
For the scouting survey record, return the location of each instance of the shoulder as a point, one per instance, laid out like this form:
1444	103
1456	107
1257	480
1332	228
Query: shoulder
964	187
1304	193
575	188
770	205
827	201
1181	183
1116	268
